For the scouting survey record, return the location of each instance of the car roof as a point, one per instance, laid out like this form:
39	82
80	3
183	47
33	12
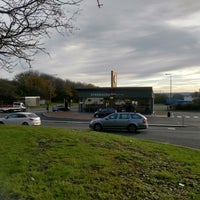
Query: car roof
25	113
128	113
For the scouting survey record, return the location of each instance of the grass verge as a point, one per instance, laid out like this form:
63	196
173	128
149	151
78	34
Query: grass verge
51	163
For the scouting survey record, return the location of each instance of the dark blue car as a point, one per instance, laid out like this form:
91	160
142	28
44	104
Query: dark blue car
102	112
59	108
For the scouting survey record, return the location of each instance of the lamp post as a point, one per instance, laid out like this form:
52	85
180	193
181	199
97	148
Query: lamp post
170	90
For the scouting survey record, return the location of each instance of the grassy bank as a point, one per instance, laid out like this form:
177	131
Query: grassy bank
50	163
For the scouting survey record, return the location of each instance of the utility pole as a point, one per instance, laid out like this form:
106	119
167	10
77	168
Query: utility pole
170	94
170	86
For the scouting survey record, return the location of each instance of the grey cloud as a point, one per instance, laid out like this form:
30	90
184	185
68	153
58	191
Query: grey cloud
132	37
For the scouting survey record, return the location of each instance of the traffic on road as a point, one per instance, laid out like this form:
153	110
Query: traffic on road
182	129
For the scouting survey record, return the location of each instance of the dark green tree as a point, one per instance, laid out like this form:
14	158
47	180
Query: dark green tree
160	98
46	86
8	91
33	84
178	96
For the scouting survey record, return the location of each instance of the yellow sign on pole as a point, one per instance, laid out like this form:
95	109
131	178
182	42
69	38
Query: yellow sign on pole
113	79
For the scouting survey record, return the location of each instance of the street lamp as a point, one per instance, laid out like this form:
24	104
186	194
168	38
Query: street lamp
170	90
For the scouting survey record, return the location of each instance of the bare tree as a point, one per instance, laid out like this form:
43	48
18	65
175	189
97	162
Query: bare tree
23	24
99	4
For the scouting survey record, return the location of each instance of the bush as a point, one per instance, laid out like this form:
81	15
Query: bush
188	107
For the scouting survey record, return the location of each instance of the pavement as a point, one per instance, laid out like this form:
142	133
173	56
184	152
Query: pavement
70	115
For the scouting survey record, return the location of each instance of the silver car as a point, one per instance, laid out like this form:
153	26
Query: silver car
120	121
21	118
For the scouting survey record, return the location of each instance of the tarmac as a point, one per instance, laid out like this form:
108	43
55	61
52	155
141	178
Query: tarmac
71	114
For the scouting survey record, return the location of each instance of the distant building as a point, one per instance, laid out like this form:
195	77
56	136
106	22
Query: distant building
32	101
188	98
139	99
176	101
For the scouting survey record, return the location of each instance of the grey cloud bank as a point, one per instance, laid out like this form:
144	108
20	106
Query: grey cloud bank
139	39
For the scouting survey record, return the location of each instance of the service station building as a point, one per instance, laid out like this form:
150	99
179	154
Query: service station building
128	99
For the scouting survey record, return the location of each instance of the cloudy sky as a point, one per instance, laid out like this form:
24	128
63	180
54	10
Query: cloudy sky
142	40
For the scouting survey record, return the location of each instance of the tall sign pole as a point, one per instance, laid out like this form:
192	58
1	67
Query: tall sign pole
113	79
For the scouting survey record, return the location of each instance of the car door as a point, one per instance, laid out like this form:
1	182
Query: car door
12	119
137	119
21	118
103	112
109	122
123	120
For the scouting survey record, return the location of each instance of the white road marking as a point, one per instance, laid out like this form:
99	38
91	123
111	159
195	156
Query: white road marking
187	116
173	129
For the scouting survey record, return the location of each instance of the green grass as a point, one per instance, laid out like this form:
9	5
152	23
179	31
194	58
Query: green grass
51	163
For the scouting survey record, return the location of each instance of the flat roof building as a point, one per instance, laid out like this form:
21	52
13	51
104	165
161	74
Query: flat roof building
139	99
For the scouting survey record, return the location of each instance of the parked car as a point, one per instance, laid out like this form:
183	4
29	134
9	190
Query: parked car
21	118
120	121
102	112
59	108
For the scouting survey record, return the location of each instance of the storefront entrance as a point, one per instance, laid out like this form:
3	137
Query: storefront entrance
128	99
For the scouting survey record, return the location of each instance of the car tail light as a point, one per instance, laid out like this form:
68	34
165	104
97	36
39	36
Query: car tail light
144	121
31	119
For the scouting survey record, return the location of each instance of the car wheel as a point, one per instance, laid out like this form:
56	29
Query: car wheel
97	127
132	128
1	123
25	123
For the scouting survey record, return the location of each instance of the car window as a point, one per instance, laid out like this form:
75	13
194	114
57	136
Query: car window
124	116
12	116
113	116
20	116
135	116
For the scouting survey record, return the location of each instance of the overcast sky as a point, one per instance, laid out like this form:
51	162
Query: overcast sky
141	40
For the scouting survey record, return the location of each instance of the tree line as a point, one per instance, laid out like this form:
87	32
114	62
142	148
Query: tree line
194	105
33	83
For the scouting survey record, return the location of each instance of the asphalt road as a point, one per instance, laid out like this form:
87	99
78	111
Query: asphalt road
181	129
178	130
